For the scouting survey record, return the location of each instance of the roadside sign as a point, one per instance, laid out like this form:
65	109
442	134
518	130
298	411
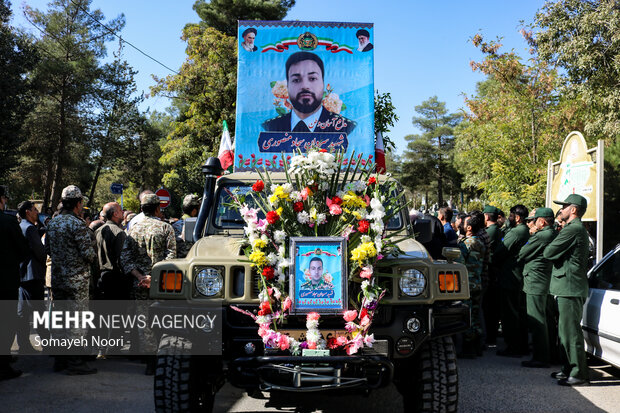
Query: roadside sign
116	188
164	197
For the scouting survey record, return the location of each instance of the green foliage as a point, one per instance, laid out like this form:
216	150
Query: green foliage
207	82
515	122
130	198
474	205
385	116
222	15
428	159
583	38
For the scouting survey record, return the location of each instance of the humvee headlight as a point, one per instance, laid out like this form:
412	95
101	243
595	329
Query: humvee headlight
412	282
209	282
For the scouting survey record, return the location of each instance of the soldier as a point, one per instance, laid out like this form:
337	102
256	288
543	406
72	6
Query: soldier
472	255
316	281
536	278
568	253
191	206
490	302
148	242
70	246
13	250
510	280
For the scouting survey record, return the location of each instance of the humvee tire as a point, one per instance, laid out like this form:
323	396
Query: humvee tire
180	386
430	383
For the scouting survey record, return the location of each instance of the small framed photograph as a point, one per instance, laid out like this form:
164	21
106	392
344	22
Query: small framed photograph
318	276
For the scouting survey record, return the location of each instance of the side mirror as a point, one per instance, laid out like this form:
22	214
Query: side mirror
423	230
451	253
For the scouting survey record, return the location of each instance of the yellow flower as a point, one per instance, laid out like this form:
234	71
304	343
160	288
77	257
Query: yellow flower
258	257
357	215
273	199
281	193
350	199
259	243
313	213
359	254
369	248
279	211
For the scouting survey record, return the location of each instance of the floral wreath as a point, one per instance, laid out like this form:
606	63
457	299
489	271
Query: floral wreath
329	201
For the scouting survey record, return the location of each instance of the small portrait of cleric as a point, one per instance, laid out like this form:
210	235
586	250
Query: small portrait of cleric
248	36
305	78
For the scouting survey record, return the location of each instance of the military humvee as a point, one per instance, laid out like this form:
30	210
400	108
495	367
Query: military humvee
423	307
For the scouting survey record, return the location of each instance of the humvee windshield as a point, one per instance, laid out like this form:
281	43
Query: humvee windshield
228	217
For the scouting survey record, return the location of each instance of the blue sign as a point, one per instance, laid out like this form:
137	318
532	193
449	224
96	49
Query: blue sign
301	85
116	188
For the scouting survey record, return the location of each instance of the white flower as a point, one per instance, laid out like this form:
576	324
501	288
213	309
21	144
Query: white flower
287	187
363	213
273	188
281	251
264	238
303	217
279	236
272	258
321	219
296	196
365	238
313	336
263	319
377	226
312	324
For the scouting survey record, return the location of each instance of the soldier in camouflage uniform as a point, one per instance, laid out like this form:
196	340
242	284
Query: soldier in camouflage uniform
473	251
148	242
191	206
70	247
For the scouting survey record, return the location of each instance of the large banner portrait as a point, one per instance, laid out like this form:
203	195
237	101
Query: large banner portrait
318	280
302	85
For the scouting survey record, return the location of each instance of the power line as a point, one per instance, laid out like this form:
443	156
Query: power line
121	39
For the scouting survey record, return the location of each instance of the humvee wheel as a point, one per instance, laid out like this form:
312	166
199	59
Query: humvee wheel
430	382
180	386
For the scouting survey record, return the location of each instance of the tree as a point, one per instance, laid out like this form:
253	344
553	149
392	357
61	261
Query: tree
514	123
17	58
428	158
385	116
72	42
222	15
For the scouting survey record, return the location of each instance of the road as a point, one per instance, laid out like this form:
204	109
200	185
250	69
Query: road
487	384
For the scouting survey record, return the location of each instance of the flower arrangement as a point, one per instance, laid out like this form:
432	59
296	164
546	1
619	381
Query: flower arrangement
331	101
319	198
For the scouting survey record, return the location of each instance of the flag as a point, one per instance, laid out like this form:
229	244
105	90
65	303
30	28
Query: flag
227	152
380	153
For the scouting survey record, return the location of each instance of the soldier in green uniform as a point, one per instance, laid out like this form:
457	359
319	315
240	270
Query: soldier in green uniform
536	278
569	256
191	206
148	242
511	284
490	301
473	251
316	281
70	246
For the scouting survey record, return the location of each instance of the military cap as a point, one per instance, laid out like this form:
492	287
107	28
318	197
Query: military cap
490	209
71	192
191	200
574	199
150	199
532	215
544	213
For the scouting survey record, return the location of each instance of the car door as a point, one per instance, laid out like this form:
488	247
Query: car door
601	317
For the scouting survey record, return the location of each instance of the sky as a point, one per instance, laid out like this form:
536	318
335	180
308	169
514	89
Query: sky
422	48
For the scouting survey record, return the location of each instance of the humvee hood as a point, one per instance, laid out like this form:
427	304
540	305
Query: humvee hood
412	249
217	246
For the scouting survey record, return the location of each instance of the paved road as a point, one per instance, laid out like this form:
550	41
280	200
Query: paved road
488	384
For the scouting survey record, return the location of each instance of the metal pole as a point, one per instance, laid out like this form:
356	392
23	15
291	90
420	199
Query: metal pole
600	198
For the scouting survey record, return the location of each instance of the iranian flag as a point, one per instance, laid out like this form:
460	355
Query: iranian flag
380	153
227	152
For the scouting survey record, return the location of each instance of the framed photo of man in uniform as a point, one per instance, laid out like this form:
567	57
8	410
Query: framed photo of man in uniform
318	277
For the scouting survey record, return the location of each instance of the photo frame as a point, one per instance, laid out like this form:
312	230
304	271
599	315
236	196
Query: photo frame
318	277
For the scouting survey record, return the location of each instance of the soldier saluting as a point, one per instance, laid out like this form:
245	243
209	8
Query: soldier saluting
569	255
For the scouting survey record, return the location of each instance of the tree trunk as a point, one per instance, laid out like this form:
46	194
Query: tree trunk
95	179
439	173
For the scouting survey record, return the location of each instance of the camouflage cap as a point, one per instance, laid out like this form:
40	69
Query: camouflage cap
71	192
191	200
150	199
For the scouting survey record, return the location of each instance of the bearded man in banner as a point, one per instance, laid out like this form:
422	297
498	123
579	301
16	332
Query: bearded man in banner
305	77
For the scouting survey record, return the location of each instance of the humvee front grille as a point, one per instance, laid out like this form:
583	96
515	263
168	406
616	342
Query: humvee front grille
255	283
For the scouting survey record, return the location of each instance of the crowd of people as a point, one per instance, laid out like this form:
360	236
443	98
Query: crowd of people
74	259
527	271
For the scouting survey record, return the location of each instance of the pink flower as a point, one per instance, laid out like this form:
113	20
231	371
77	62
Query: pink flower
350	326
283	342
341	340
366	272
287	304
311	345
263	330
369	340
367	199
335	209
379	257
365	321
350	315
313	316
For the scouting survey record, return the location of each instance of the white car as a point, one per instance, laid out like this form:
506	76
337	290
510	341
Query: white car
601	312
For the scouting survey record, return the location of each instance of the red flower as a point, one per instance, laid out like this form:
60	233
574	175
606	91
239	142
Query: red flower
258	186
298	206
363	226
265	308
247	162
336	200
363	313
372	180
268	273
322	150
272	217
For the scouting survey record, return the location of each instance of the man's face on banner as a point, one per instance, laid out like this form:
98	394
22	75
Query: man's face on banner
249	39
363	40
305	86
316	271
